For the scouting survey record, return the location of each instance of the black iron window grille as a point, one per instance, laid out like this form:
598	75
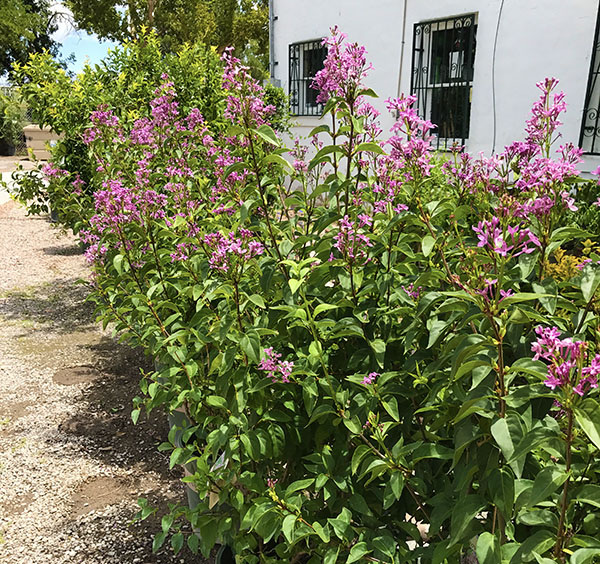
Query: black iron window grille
306	60
442	75
589	138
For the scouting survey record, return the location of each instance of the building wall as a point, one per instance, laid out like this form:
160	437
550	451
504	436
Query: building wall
536	39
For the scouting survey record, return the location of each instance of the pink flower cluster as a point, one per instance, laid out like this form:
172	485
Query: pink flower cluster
103	117
413	292
545	112
299	154
411	139
512	241
164	105
95	250
230	248
350	243
274	367
245	100
569	365
370	378
52	171
343	70
489	288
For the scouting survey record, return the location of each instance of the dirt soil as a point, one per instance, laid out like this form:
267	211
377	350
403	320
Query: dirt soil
72	464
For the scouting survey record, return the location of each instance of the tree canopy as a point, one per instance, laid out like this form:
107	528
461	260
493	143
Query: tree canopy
26	27
242	24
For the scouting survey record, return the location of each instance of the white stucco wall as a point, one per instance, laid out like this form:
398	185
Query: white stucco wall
536	39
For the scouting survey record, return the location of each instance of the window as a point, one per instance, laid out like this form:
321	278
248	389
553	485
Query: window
306	60
589	139
442	75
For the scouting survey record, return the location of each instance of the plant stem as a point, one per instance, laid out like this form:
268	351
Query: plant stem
560	535
263	199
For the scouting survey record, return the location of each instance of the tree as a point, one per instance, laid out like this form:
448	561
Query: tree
242	24
26	27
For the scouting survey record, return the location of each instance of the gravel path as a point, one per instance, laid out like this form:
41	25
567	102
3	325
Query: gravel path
72	464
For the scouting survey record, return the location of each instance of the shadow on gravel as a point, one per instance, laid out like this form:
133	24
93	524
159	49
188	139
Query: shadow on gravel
104	421
60	306
63	250
105	415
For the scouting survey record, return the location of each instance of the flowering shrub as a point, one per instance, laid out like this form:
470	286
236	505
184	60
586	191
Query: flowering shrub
363	341
125	81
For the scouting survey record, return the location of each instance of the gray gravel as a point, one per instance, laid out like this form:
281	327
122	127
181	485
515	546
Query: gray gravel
72	465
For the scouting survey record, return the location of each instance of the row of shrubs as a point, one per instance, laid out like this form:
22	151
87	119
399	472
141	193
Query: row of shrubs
382	353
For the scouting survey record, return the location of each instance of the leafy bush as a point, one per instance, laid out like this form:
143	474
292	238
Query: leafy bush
126	80
588	216
362	342
13	117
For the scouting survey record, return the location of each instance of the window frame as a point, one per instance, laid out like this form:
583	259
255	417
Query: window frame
590	119
455	82
302	95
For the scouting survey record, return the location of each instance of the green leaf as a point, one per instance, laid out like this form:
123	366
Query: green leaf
298	485
588	416
167	522
368	92
118	264
527	263
590	279
175	457
584	555
322	154
341	524
397	484
488	549
357	552
323	307
250	344
463	516
378	346
467	367
323	532
177	542
235	167
192	543
391	406
501	435
159	540
294	284
331	556
360	452
277	159
257	300
266	133
371	147
541	560
588	493
549	290
135	415
547	481
532	440
319	129
287	527
563	233
428	450
502	490
539	542
427	244
386	544
523	297
216	401
321	411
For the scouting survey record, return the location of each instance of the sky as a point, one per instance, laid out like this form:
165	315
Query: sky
85	47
